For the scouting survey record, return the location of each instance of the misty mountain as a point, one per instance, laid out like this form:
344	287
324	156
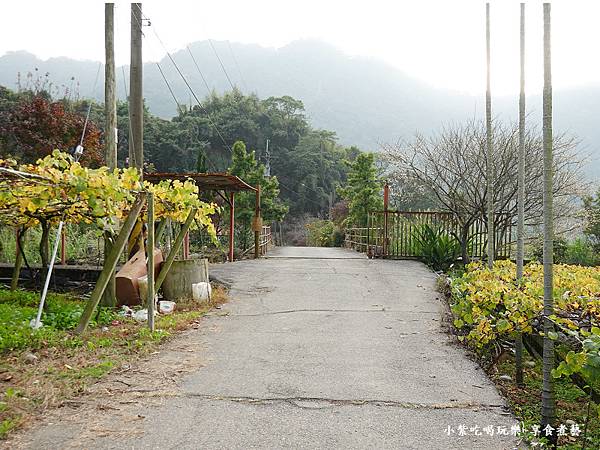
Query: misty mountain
364	101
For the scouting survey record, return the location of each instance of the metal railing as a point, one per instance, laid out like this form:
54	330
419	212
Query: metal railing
394	234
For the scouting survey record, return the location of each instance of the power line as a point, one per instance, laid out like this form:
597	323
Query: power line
87	116
300	195
237	66
208	90
192	92
221	63
168	86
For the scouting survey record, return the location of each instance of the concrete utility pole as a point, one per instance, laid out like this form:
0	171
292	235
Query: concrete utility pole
136	99
110	87
110	127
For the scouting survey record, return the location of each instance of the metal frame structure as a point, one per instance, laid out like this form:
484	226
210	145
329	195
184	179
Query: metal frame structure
225	185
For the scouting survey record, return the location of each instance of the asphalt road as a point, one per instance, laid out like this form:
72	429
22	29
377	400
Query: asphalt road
320	348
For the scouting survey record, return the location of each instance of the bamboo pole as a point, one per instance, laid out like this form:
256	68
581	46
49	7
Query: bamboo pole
166	266
162	226
111	263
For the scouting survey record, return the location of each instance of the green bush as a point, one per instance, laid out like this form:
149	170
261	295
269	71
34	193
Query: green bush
338	238
320	233
579	251
438	249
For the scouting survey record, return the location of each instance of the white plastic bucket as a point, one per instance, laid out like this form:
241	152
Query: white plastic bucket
166	307
201	292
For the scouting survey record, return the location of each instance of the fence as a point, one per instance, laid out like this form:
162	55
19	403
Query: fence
266	239
393	234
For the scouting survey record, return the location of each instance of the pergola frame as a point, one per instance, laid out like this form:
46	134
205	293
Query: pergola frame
225	185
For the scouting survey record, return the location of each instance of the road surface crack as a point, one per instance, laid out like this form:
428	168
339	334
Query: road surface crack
324	403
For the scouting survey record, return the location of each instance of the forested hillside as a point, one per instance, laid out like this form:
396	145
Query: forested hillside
308	163
364	101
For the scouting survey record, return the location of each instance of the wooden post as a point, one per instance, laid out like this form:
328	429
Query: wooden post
386	201
14	282
136	105
110	130
110	263
150	254
231	224
166	265
110	98
186	245
257	224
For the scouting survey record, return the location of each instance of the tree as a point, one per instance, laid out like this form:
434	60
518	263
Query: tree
362	190
521	194
489	161
37	125
591	205
245	166
451	167
548	402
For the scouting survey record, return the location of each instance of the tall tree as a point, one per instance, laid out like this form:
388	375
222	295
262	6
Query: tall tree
450	168
489	153
548	402
245	166
521	194
363	190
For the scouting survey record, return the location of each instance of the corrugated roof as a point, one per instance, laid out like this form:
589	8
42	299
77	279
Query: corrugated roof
204	181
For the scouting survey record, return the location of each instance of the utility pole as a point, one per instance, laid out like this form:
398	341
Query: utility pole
109	297
136	99
110	101
268	162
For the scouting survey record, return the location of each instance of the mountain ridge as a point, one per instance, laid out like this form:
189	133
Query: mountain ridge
364	100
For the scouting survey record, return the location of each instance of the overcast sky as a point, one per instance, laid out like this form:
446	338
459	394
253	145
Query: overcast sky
441	42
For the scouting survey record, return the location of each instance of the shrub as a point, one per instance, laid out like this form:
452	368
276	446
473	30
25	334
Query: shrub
579	251
320	233
437	248
489	304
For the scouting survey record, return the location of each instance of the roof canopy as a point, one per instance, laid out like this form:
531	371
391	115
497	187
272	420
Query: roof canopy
204	181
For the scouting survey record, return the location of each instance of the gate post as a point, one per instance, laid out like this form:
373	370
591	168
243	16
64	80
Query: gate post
386	201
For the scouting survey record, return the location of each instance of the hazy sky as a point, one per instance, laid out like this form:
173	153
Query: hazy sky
441	42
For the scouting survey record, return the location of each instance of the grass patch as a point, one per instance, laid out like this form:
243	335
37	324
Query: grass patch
41	368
